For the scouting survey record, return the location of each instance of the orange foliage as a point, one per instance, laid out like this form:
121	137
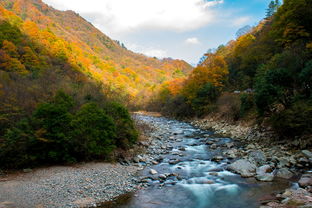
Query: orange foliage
213	70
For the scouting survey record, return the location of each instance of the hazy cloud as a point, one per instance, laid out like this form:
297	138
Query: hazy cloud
241	21
193	41
148	51
123	16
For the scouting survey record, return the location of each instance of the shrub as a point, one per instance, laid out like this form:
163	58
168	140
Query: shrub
273	87
229	106
178	107
126	134
247	102
60	132
93	133
51	123
205	98
306	79
295	121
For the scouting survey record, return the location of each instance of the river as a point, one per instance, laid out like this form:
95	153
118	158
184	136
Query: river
193	180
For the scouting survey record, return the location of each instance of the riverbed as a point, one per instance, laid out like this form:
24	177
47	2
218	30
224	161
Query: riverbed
184	168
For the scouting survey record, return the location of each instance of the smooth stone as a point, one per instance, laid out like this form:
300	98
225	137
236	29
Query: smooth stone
258	156
153	172
214	174
155	162
243	167
229	145
174	161
217	158
162	176
284	173
305	180
264	173
307	153
213	146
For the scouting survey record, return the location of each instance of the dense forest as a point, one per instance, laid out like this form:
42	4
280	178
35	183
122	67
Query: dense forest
64	87
264	75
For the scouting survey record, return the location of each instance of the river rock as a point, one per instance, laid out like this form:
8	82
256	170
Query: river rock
284	173
136	159
182	149
243	167
209	142
283	162
213	146
155	162
264	173
231	154
174	161
153	172
250	146
162	176
217	158
305	180
307	153
214	173
229	145
257	156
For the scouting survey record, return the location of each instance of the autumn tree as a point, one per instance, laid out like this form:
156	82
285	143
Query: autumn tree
213	70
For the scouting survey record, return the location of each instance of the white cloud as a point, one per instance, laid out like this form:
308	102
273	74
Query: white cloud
241	21
148	51
123	16
193	41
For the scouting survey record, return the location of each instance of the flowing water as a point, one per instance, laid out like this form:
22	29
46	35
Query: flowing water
201	183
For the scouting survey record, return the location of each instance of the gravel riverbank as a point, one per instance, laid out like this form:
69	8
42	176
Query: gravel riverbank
91	184
264	158
83	185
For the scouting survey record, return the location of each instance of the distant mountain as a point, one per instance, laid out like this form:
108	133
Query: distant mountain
89	51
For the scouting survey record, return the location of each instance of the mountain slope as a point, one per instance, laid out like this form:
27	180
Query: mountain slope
102	58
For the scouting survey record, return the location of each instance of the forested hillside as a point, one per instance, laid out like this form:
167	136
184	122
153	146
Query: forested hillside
87	49
264	74
61	85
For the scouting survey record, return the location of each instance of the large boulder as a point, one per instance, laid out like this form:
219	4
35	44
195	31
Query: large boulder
243	167
264	173
257	156
307	153
305	180
284	173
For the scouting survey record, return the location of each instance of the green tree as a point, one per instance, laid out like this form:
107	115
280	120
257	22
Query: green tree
93	133
274	87
52	124
272	8
127	135
306	80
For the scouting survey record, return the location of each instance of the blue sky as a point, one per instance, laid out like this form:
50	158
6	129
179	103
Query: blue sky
182	29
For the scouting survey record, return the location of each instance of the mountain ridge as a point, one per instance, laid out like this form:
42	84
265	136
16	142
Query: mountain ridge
116	61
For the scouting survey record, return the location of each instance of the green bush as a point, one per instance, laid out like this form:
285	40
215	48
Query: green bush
305	77
60	131
177	107
295	121
273	87
126	134
205	99
51	123
247	103
93	132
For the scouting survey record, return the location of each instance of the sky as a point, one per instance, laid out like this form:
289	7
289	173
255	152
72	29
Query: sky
180	29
